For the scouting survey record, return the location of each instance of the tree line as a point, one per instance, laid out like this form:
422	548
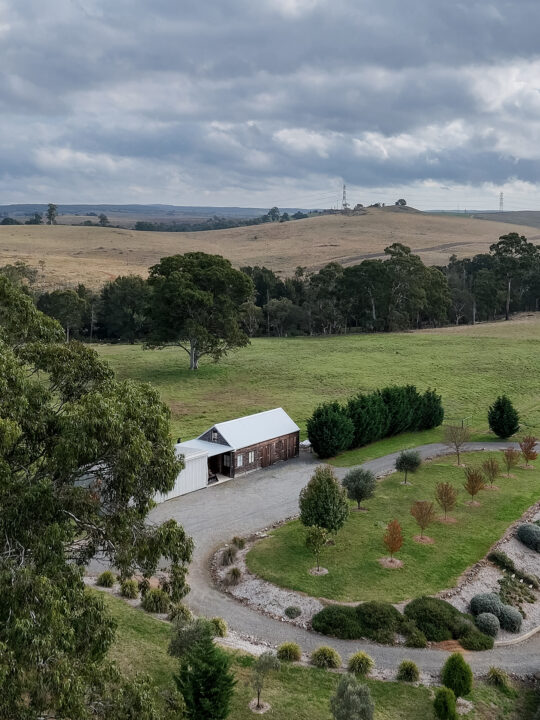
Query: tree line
220	223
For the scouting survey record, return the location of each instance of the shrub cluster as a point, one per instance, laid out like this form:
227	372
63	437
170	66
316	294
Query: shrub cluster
378	621
325	657
129	588
289	652
529	535
219	627
293	612
408	671
180	613
509	618
436	618
106	579
156	600
369	417
360	664
488	624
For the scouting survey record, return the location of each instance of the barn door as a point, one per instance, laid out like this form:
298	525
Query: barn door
266	456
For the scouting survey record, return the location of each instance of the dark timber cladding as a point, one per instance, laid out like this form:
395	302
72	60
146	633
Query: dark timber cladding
252	442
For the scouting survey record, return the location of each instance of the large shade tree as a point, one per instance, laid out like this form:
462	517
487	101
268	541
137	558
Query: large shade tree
81	458
196	302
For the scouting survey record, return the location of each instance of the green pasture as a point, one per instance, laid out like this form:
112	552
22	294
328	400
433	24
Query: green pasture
354	570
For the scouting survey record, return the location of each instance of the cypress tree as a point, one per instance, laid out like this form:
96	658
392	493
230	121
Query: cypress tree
370	417
330	430
503	417
402	402
431	411
457	675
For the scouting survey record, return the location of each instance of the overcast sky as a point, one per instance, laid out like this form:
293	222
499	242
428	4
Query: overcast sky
270	102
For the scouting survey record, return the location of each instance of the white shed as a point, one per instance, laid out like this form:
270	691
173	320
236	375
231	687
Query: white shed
194	476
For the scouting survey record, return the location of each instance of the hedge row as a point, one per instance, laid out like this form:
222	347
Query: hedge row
369	417
424	619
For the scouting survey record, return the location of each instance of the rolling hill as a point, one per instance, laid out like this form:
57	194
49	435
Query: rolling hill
94	255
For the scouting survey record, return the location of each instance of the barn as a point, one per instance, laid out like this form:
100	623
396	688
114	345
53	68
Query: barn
232	448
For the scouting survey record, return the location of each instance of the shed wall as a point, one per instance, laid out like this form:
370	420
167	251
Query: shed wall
194	476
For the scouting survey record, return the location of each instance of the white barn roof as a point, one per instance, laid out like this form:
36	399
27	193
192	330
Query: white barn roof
201	446
254	429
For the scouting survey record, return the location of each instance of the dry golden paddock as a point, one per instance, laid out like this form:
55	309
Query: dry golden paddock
93	255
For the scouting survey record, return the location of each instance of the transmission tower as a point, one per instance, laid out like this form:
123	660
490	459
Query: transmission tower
344	203
501	202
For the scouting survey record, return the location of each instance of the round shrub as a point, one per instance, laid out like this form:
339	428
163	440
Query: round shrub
339	621
360	664
416	639
233	576
156	600
408	671
457	675
360	485
436	618
129	588
325	657
510	618
375	616
293	612
529	535
445	704
219	626
106	579
488	623
476	640
228	555
330	430
486	603
289	652
181	614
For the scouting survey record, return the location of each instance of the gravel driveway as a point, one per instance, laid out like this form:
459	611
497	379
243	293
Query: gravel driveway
247	504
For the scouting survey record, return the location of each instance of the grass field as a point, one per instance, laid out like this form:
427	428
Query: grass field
93	255
354	570
294	691
469	366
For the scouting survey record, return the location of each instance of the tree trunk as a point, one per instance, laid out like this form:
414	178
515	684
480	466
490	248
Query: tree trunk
373	313
193	356
67	333
508	289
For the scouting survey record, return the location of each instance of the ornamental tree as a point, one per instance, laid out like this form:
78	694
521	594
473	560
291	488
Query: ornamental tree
360	485
316	538
195	303
352	700
323	502
474	481
408	461
503	418
424	514
491	470
510	459
527	447
455	437
393	537
264	665
81	457
446	497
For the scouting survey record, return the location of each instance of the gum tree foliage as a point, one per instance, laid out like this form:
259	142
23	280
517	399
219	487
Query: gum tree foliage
503	417
122	308
196	302
323	502
51	214
513	254
66	306
352	700
81	457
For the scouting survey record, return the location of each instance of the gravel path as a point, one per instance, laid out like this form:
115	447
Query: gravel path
255	501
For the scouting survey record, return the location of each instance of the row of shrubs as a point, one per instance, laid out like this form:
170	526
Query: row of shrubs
501	559
424	619
369	417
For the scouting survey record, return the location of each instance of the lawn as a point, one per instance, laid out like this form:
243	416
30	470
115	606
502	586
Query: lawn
354	570
468	366
299	692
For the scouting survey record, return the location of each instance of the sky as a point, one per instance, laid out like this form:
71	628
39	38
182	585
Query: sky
271	102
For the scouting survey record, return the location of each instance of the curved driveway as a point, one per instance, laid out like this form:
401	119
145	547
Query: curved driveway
247	504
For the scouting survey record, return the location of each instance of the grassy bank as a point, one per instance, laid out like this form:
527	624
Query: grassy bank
302	693
468	366
354	570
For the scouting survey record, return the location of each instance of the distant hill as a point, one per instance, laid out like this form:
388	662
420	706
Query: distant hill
94	255
530	218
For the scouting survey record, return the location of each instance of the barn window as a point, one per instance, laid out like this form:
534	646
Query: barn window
239	460
214	435
251	457
227	461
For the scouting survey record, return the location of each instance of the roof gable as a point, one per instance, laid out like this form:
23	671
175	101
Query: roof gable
257	428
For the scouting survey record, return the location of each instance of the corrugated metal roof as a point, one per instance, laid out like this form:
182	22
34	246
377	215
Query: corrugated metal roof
257	428
188	451
198	445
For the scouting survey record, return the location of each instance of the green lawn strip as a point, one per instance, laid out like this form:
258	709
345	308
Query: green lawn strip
354	571
294	692
468	369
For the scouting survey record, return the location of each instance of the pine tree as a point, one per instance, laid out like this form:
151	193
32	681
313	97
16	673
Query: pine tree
503	417
457	675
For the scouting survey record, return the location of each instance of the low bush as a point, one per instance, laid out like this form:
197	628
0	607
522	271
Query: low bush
514	591
529	535
289	652
457	675
436	618
325	657
501	559
228	555
444	704
339	621
360	664
181	614
476	640
486	603
488	624
376	615
239	542
156	600
233	576
416	639
408	671
293	612
220	626
510	618
129	588
144	586
106	579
